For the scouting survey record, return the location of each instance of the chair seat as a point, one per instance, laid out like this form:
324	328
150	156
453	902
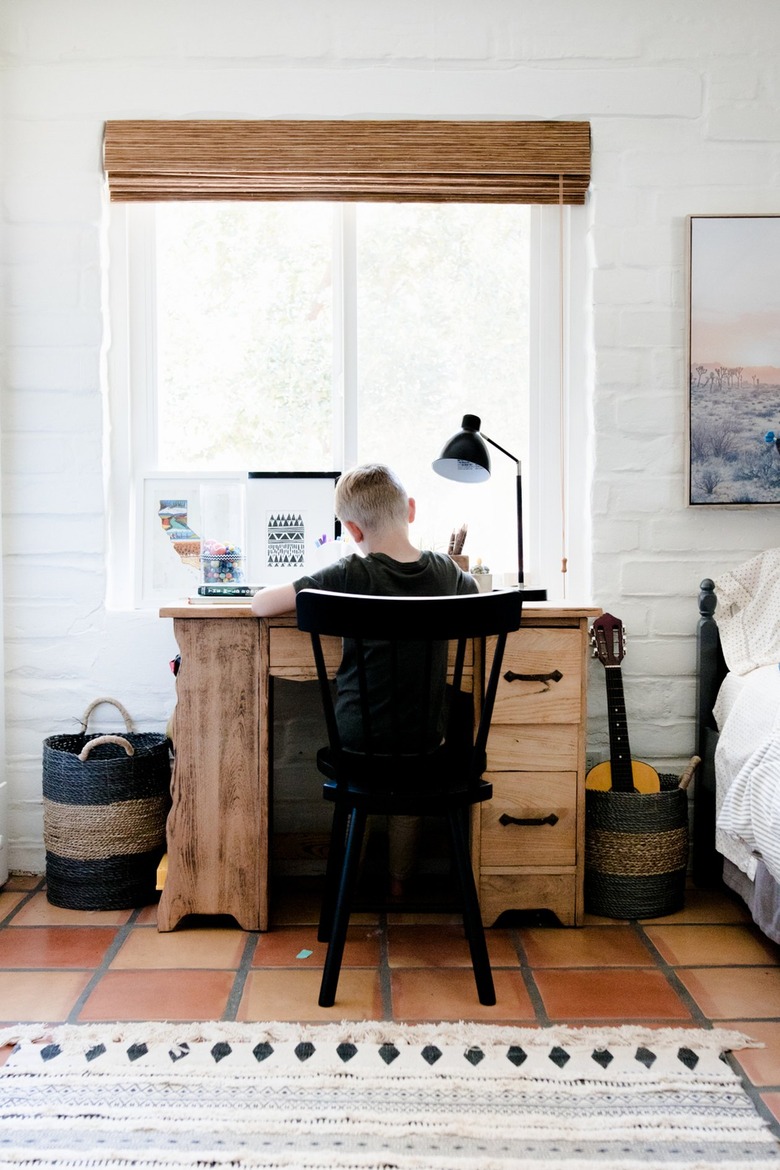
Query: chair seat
378	772
385	785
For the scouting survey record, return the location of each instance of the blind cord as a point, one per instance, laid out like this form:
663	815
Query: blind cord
561	383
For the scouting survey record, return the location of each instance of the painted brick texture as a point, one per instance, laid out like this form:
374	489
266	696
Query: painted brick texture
682	100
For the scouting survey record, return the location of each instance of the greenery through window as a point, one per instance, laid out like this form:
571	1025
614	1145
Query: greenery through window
309	336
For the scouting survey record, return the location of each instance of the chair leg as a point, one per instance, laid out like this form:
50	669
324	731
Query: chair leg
472	916
338	935
333	868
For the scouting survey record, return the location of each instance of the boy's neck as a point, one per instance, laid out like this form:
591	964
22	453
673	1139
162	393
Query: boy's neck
397	546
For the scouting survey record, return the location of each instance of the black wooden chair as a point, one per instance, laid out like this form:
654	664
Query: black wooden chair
417	746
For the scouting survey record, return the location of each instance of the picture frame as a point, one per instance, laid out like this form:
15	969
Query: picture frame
173	513
733	431
291	524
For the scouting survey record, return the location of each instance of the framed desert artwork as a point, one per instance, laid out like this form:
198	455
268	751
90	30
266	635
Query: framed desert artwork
734	360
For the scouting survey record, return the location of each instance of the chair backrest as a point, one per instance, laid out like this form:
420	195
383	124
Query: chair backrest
395	654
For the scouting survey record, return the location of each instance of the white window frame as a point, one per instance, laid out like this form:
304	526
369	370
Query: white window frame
556	481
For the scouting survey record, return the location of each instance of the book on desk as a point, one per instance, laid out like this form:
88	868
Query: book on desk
227	594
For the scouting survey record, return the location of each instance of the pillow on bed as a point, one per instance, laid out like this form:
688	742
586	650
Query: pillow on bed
748	613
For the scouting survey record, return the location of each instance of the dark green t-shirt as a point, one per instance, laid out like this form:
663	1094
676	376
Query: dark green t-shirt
433	575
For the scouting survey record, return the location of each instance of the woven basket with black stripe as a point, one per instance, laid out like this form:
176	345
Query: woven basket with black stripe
636	851
105	803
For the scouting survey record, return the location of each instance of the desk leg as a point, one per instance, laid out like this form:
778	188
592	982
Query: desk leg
217	829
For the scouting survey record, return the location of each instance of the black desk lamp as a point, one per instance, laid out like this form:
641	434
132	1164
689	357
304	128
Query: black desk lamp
465	457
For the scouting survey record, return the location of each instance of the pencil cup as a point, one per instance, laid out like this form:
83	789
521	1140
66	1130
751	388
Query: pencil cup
330	551
460	560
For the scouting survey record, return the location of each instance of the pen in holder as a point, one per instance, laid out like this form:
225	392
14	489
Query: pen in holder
455	549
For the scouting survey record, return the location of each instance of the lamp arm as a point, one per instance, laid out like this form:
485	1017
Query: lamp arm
520	571
503	450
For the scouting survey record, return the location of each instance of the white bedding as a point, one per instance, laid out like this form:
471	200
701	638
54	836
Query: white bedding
747	769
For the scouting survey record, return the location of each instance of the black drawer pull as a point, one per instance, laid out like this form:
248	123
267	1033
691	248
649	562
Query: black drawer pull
550	819
553	676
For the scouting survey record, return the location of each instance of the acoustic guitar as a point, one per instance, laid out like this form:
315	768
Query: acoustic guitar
621	773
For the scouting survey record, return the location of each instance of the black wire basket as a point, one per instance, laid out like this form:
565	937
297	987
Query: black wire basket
106	799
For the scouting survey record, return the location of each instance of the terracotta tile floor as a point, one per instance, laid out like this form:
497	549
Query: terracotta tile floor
706	965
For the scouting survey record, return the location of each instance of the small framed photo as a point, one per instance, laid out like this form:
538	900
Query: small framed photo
183	521
291	519
734	360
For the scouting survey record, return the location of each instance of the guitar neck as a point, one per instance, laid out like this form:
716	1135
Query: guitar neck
619	747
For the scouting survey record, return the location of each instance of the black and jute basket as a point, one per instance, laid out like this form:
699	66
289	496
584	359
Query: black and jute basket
636	851
105	802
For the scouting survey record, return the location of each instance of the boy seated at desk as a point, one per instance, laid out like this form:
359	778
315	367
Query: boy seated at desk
374	508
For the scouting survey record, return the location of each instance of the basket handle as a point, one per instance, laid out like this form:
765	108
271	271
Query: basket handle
120	739
115	702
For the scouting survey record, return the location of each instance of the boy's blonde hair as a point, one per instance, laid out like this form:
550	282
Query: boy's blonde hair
373	497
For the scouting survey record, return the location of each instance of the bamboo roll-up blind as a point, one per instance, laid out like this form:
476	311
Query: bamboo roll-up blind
398	161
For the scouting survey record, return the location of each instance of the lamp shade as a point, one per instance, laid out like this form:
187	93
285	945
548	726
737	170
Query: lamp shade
465	456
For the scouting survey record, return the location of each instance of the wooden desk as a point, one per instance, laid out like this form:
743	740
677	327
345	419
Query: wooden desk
218	845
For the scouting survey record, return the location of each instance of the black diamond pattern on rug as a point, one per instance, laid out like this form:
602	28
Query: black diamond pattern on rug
278	1108
516	1056
602	1056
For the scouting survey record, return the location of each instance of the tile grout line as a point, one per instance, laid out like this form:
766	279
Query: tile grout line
529	980
753	1091
668	970
385	970
27	897
122	934
242	972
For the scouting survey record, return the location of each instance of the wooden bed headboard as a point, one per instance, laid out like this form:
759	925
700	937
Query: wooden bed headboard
711	670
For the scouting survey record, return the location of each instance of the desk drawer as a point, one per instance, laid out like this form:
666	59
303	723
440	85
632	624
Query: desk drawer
553	747
549	689
529	796
290	653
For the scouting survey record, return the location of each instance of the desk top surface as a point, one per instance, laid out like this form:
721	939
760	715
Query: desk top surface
536	611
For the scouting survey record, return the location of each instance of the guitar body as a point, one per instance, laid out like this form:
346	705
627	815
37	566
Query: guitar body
620	773
643	778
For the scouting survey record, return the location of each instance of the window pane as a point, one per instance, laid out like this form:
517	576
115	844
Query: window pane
443	324
245	336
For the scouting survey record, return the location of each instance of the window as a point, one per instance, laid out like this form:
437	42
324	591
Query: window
308	336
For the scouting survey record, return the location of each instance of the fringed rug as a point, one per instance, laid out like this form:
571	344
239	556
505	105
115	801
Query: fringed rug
376	1096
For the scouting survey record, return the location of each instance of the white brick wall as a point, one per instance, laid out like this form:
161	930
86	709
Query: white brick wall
682	96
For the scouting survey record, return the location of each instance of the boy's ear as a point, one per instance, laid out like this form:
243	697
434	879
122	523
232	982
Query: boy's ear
412	509
354	531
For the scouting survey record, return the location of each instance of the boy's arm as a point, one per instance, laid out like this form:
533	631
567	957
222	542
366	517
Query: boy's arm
276	599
